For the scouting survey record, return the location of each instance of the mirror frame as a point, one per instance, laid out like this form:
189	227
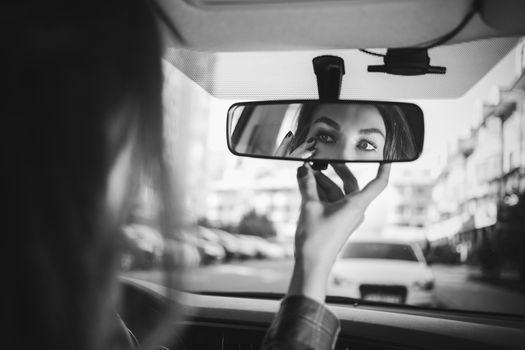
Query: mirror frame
420	143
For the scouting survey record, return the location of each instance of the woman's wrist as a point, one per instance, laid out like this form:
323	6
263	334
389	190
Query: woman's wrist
310	281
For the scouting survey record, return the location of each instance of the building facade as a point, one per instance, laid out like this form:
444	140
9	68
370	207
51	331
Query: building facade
485	173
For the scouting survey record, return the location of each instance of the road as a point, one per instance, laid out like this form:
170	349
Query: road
454	287
455	290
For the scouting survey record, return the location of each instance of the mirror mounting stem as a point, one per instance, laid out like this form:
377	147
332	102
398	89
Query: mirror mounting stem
329	71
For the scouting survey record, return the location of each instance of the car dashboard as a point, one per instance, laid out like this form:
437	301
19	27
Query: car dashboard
219	322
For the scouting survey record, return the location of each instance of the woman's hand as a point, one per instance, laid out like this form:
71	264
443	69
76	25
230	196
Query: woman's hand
303	151
328	218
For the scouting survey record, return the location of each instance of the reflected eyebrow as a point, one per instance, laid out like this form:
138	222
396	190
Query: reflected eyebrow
329	122
372	131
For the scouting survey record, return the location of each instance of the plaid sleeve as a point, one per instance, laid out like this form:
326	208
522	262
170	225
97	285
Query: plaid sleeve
302	323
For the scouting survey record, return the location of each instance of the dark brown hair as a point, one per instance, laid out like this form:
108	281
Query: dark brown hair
76	72
399	141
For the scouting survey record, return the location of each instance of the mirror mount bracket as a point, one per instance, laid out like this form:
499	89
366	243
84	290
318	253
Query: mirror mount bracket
407	61
318	165
329	71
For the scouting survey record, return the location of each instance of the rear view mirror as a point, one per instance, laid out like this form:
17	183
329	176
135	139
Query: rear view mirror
334	131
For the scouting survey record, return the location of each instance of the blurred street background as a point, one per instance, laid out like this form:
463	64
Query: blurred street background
462	202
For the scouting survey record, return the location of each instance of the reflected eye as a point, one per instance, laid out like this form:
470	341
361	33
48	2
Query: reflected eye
365	145
325	138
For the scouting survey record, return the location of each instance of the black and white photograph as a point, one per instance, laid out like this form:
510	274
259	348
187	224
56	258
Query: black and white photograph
264	174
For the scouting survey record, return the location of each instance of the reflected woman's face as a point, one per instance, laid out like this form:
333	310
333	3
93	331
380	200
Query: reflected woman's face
351	132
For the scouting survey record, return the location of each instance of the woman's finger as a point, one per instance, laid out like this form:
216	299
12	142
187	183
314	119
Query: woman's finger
305	150
307	183
376	186
328	190
350	184
308	154
282	150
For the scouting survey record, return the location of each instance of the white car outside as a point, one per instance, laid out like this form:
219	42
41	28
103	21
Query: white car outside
386	271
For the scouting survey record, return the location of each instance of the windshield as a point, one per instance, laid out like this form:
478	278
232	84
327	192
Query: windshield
378	251
447	232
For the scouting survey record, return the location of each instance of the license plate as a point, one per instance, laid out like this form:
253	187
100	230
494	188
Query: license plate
386	298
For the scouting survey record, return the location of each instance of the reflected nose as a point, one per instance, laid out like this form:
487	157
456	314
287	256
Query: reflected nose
348	150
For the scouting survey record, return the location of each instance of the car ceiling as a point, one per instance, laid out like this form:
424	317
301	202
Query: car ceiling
255	49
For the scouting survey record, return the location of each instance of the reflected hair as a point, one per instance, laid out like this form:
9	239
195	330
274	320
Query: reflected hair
399	141
304	121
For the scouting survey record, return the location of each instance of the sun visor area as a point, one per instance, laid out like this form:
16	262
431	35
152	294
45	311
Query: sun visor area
280	25
289	74
505	15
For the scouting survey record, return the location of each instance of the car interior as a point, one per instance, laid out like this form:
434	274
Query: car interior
263	51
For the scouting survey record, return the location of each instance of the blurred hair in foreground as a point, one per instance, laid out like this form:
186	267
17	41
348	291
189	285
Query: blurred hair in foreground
84	100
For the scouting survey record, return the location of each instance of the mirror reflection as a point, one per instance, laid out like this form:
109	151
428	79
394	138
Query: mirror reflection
359	131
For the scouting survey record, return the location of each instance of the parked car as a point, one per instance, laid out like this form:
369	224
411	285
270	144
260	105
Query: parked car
266	249
230	243
384	270
144	249
247	247
210	251
186	254
286	243
213	250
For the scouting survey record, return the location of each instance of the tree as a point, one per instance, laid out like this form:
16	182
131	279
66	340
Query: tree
256	225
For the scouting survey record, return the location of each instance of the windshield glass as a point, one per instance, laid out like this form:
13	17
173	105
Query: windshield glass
446	233
378	251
